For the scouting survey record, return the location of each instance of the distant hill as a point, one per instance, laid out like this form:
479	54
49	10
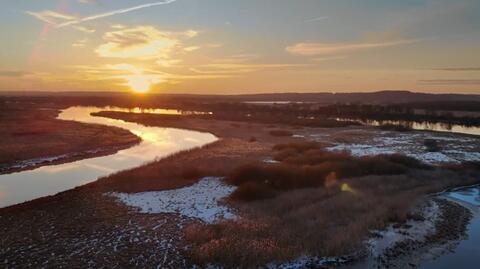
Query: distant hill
381	97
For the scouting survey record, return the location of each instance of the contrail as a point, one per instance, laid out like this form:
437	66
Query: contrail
115	12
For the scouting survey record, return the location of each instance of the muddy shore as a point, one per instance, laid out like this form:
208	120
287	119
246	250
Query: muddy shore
449	228
32	164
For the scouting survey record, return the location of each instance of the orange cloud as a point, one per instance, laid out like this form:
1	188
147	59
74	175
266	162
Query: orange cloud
142	43
313	49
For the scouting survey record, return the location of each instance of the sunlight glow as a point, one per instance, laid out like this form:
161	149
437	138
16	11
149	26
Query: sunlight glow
138	84
136	79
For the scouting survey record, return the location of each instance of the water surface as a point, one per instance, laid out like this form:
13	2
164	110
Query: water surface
48	180
466	254
423	126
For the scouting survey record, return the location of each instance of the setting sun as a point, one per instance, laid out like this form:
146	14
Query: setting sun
138	84
137	79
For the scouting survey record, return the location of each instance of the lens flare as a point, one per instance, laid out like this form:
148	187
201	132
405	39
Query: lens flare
346	188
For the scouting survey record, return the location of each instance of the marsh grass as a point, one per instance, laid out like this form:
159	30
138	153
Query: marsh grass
308	165
315	203
280	133
396	127
33	133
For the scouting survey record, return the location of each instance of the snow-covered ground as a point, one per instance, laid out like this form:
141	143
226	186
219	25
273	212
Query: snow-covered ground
416	230
49	160
200	201
455	148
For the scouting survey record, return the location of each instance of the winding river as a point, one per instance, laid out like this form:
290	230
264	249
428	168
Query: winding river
48	180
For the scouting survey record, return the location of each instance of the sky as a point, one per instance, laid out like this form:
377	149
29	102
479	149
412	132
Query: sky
235	47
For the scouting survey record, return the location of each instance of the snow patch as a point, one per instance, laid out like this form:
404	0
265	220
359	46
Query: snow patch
200	201
417	230
454	148
311	262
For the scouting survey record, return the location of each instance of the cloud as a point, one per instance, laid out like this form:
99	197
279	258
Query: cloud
88	1
237	68
114	12
85	29
329	58
13	73
313	49
459	69
60	20
142	43
51	17
118	26
450	81
80	43
317	19
191	48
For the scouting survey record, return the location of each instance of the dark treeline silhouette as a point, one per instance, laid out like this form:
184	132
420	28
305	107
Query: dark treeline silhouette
294	113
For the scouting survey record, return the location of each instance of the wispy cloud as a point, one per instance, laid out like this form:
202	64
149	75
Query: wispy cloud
87	1
458	69
114	12
329	58
80	43
13	73
317	19
85	29
237	68
50	17
60	20
450	81
313	49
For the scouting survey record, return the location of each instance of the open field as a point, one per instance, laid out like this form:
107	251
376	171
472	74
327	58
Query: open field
34	137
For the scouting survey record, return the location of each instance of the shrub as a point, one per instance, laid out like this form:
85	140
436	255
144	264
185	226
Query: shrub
432	145
251	191
396	127
281	133
307	165
298	146
407	161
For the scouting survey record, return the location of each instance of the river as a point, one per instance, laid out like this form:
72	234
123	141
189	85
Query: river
51	179
465	254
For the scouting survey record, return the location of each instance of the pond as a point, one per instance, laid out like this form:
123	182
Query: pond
49	180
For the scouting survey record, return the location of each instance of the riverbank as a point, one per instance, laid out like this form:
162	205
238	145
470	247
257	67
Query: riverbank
443	223
34	137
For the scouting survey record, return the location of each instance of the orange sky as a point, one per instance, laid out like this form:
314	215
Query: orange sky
228	46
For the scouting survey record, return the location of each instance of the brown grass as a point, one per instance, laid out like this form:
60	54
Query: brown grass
304	206
314	221
30	133
183	168
307	165
280	133
396	127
